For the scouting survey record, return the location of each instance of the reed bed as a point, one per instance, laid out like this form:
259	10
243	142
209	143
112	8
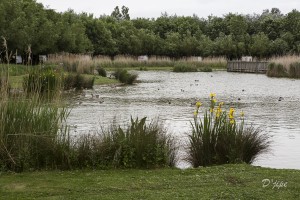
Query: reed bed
284	66
87	64
32	133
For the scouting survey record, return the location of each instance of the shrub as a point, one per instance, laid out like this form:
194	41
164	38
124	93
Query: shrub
219	139
78	81
294	70
101	71
206	69
123	76
137	146
276	70
184	67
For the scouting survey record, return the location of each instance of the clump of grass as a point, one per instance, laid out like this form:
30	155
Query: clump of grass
219	138
143	69
123	76
78	81
139	145
182	67
31	134
276	70
43	81
101	71
294	70
206	69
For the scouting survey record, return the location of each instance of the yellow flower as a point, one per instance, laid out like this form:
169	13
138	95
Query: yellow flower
212	95
242	114
221	104
231	111
196	113
232	121
211	110
231	116
214	100
198	104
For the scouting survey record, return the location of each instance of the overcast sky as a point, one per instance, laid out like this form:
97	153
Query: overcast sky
154	8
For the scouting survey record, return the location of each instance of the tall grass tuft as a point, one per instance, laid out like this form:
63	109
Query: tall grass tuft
277	70
123	76
101	71
31	133
78	81
182	67
294	70
219	138
140	145
43	81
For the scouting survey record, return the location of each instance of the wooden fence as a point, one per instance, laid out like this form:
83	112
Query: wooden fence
247	67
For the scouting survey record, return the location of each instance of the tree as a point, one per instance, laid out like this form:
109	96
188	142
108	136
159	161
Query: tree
260	45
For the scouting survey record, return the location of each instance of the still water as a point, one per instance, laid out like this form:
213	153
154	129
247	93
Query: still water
169	96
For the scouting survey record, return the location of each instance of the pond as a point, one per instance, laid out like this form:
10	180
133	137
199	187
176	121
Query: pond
271	104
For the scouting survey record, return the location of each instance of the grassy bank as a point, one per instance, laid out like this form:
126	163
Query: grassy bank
220	182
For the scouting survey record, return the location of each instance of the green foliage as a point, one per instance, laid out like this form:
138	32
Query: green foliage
123	76
32	135
276	70
182	67
78	81
43	81
218	138
101	71
139	145
233	35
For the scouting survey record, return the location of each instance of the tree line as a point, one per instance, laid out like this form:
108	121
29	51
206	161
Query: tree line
29	27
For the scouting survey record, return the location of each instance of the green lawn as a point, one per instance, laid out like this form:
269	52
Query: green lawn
220	182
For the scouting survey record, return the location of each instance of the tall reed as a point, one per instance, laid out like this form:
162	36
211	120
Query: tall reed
139	145
29	133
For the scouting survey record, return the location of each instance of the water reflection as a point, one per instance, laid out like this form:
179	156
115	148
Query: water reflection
169	96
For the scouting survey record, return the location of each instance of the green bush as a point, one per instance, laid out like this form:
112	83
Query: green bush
219	138
78	81
137	146
123	76
184	67
206	69
294	70
101	71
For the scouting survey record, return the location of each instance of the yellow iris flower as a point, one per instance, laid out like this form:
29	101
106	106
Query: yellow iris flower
242	114
196	113
212	95
198	104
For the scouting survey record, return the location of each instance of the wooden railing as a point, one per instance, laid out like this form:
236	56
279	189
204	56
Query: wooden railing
247	67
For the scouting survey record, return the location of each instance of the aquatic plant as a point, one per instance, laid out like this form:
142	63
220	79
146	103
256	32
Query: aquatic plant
125	77
43	81
277	70
32	133
294	70
139	145
220	137
101	71
78	81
